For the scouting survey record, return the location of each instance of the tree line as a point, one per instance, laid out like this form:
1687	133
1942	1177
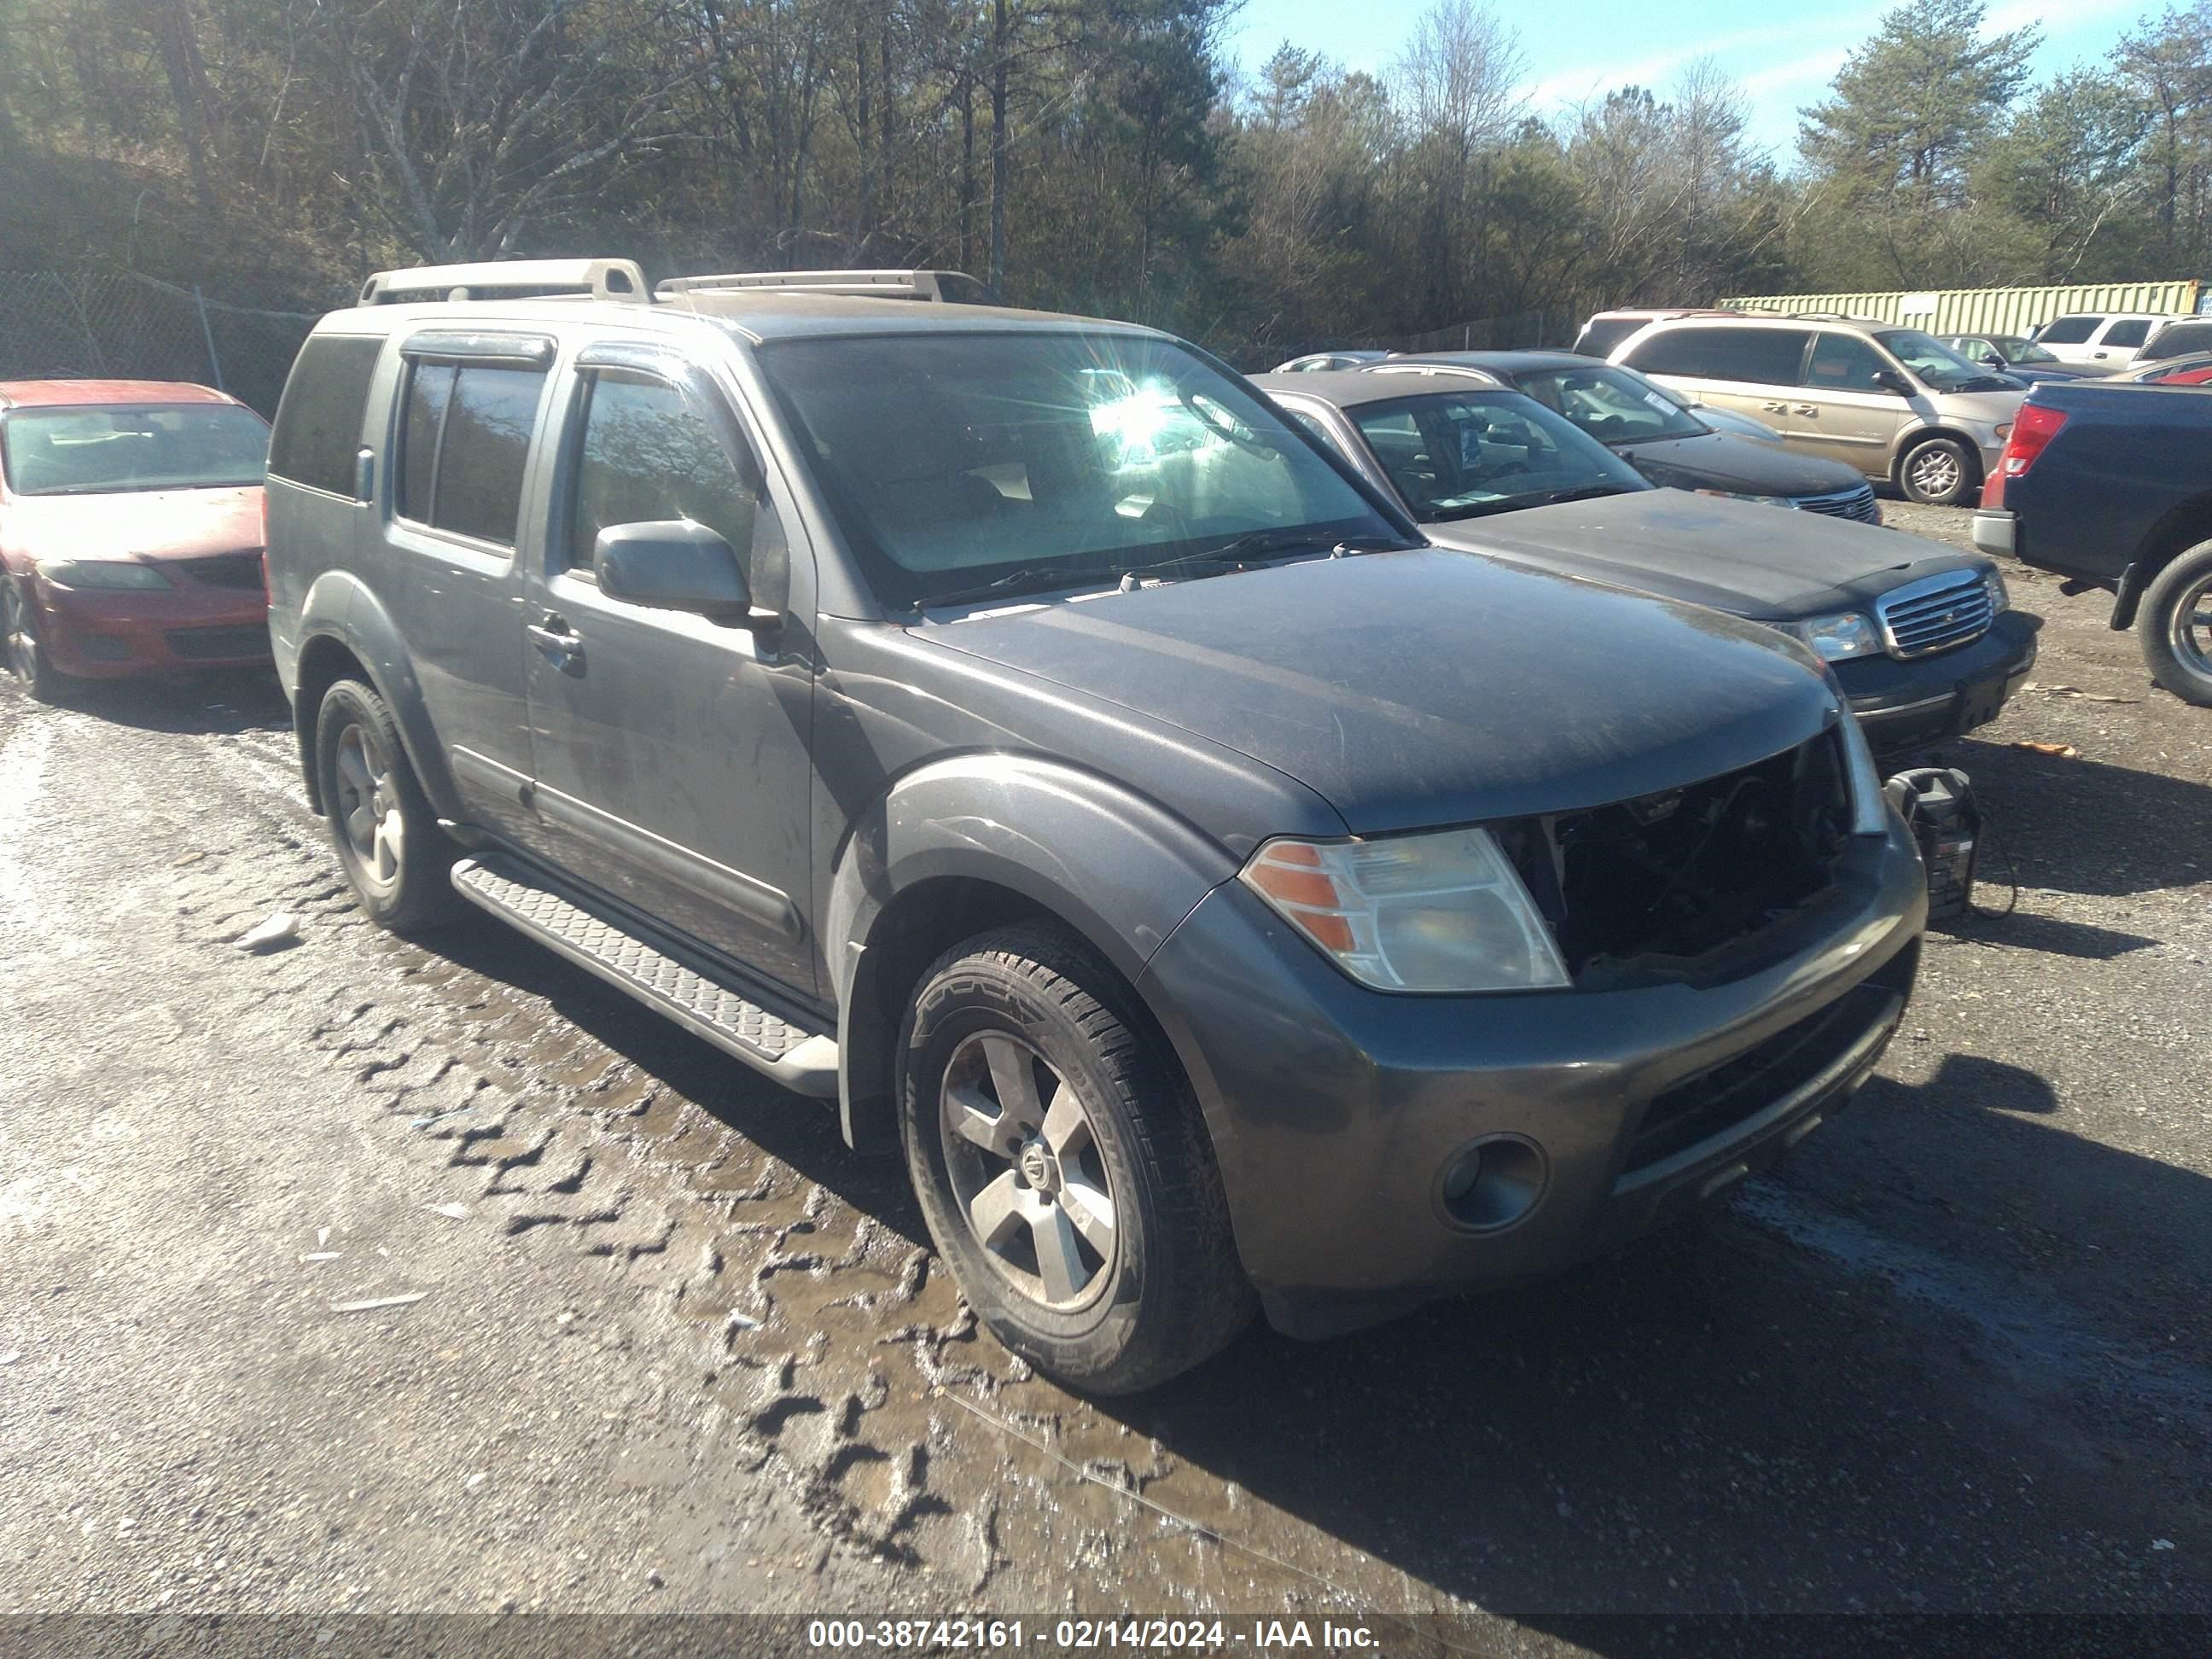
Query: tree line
1097	155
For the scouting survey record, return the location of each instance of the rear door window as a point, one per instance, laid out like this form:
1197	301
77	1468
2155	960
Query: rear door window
2068	331
319	419
463	442
2128	333
1758	356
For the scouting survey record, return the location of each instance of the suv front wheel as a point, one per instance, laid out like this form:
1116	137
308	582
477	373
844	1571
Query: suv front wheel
1062	1166
1939	472
395	859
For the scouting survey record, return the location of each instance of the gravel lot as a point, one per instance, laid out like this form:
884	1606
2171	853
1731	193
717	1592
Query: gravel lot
673	1348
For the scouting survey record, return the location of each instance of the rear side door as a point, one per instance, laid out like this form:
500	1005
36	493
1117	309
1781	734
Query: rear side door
669	753
465	419
2117	342
1843	413
1750	370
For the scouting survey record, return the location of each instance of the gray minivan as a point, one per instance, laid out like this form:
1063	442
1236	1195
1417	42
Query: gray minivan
1012	731
1895	403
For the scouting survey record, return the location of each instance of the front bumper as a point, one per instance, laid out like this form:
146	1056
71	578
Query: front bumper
1904	706
116	635
1335	1111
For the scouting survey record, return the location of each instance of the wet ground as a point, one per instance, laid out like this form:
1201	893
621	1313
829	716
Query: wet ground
671	1346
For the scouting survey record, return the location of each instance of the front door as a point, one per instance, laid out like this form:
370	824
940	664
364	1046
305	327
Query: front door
670	752
1843	412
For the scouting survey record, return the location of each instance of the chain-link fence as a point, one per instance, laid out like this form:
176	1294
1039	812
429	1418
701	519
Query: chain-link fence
119	323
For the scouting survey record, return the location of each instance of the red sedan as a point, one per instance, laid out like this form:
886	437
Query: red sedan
130	531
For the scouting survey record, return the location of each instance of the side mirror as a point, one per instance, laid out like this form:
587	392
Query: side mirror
674	565
1890	381
1990	360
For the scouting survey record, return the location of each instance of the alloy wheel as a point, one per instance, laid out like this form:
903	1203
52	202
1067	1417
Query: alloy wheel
22	645
1934	473
1026	1171
2190	631
368	807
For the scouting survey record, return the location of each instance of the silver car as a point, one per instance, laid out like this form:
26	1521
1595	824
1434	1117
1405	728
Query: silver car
1895	402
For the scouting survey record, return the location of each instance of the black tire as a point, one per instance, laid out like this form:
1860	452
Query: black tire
23	657
2174	626
1171	1292
404	882
1939	472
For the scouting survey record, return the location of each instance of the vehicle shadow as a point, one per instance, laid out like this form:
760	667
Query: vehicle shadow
2084	826
1886	1380
1862	1386
223	702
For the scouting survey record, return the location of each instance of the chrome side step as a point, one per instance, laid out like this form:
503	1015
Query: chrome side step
782	1046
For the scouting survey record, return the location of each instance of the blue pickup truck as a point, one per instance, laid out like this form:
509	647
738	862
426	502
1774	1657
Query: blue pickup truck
2109	485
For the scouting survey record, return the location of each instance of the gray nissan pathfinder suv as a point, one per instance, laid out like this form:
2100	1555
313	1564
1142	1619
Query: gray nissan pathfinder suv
1011	729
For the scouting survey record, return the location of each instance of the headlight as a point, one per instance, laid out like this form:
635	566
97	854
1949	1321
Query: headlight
101	573
1763	500
1999	599
1438	911
1846	634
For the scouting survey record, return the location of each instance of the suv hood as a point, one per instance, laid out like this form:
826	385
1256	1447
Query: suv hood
157	524
1426	688
1769	563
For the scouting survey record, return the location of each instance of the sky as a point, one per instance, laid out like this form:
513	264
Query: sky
1784	55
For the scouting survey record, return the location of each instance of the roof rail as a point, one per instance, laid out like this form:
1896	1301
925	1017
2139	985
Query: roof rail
598	279
951	286
1830	317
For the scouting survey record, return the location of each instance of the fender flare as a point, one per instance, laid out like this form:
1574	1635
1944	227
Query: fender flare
1120	869
340	607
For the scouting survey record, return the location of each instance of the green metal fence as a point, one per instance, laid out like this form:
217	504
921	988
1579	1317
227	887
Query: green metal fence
1991	310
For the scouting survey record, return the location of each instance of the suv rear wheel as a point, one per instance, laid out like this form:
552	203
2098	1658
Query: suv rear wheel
1939	471
395	859
2176	627
1062	1166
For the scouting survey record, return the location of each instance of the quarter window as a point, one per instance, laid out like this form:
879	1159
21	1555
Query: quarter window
1757	356
464	441
645	456
319	419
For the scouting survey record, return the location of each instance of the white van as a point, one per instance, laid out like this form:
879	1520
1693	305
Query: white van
2101	342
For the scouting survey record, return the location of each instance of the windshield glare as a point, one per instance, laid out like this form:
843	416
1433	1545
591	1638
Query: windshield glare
1612	405
1457	456
84	452
1935	363
1050	458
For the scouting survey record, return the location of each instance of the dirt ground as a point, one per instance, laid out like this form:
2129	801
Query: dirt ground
667	1345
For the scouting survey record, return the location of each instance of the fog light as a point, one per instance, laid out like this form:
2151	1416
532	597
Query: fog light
1491	1183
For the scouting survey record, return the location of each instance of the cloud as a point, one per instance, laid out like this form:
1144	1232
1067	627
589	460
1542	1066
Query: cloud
1820	66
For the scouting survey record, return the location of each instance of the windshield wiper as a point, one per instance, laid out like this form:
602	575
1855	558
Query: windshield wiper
1579	493
1056	574
1264	543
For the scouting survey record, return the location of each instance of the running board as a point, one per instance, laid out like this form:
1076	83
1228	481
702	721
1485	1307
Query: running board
780	1046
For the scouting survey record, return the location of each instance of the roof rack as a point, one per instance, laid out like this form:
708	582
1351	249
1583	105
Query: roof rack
951	286
1830	317
596	279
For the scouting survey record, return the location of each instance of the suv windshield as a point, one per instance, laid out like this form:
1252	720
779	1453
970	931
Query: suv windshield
1938	365
1461	455
1613	405
956	461
95	452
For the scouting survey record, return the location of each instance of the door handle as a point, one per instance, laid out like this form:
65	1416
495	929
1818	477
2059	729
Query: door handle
1808	409
554	638
1775	409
